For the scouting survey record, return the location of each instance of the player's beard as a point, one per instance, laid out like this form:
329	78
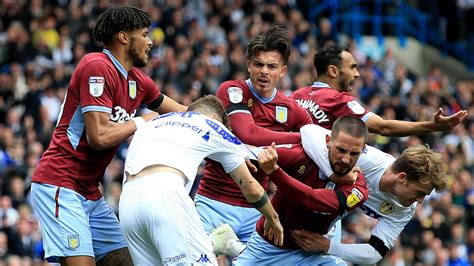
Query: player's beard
134	53
343	84
339	172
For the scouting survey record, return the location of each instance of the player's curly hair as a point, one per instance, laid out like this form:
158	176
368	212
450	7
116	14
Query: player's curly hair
210	104
274	39
422	164
328	55
118	19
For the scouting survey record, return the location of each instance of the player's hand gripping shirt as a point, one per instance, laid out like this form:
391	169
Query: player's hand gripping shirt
99	84
256	121
182	141
304	201
325	105
390	214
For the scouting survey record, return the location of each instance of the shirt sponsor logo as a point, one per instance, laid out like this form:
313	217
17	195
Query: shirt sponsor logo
121	115
96	86
235	94
281	114
356	107
172	260
132	89
73	241
386	207
313	108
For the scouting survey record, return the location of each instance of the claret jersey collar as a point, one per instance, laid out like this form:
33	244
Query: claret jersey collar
260	98
117	64
318	84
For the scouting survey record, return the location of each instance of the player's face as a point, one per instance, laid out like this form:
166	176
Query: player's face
348	72
409	191
140	45
266	69
344	151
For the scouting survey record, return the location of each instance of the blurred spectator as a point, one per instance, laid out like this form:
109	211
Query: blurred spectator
197	45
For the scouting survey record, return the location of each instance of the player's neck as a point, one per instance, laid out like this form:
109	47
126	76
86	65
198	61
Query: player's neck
329	81
388	181
120	56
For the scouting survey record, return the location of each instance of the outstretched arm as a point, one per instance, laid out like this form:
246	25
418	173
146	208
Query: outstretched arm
377	124
256	195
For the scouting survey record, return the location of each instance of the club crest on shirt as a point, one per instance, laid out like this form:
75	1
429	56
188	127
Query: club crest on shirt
386	207
132	89
356	107
73	241
281	114
96	86
236	94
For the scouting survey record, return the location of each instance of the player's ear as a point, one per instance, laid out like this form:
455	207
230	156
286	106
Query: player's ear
122	37
402	177
215	117
284	69
328	139
332	71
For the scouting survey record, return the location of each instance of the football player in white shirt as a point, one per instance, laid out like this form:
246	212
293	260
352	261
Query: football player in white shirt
158	218
396	186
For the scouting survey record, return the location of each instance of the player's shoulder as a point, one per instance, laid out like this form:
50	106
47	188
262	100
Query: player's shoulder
304	89
99	58
240	84
98	61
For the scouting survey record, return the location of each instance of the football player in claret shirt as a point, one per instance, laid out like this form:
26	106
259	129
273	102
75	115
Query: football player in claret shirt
258	114
330	97
99	112
306	201
395	186
158	218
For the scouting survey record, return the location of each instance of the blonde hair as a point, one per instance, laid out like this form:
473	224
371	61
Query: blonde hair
422	164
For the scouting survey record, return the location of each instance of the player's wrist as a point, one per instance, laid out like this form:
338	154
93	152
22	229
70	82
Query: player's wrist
139	122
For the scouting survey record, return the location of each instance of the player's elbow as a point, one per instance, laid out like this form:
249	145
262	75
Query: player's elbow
381	130
97	143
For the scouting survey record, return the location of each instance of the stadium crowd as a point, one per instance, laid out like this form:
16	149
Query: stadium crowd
196	46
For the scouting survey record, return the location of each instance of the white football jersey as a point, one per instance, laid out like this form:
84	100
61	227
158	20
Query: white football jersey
390	214
182	141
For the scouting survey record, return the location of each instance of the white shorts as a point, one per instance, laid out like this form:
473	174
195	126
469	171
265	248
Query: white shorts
161	224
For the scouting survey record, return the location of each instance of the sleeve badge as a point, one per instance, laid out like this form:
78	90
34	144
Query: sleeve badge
236	94
356	107
96	86
355	197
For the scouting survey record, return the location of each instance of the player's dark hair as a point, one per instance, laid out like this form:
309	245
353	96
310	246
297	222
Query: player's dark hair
209	104
350	125
274	39
118	19
329	55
